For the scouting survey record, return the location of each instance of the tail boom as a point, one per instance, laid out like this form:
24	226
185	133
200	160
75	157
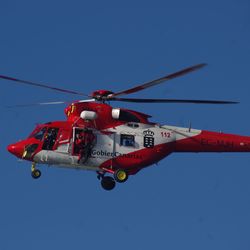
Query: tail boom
207	141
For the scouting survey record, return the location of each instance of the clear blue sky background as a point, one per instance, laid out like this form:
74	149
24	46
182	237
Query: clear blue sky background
188	201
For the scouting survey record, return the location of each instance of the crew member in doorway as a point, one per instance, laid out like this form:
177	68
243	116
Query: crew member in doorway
50	139
84	143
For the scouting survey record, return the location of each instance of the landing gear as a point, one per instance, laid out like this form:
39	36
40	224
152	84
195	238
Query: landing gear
120	175
35	173
108	182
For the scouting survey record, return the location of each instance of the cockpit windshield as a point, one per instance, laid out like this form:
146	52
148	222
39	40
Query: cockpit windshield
38	133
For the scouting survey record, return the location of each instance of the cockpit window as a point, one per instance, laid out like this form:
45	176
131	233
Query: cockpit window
38	133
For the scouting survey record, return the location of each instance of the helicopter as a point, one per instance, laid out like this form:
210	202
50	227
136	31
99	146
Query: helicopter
116	143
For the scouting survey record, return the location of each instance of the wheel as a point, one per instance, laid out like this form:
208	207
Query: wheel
36	173
108	183
120	175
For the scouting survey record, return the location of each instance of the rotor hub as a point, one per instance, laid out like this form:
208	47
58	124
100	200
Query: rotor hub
101	94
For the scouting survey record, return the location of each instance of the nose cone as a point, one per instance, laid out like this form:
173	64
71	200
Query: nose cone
11	148
16	149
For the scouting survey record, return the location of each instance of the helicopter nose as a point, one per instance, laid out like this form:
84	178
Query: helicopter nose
16	149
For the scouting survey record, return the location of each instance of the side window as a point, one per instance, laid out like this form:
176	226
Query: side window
128	117
127	140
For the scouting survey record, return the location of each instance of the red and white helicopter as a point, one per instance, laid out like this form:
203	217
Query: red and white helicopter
116	142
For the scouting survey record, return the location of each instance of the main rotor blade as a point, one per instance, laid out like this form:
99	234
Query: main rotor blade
88	100
41	85
136	100
48	103
160	80
35	104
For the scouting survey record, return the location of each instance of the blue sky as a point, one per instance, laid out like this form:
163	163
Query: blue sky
188	201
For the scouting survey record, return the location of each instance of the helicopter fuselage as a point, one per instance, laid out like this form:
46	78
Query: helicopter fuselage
124	139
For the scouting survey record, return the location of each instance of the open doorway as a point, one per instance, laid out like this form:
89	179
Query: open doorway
83	141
